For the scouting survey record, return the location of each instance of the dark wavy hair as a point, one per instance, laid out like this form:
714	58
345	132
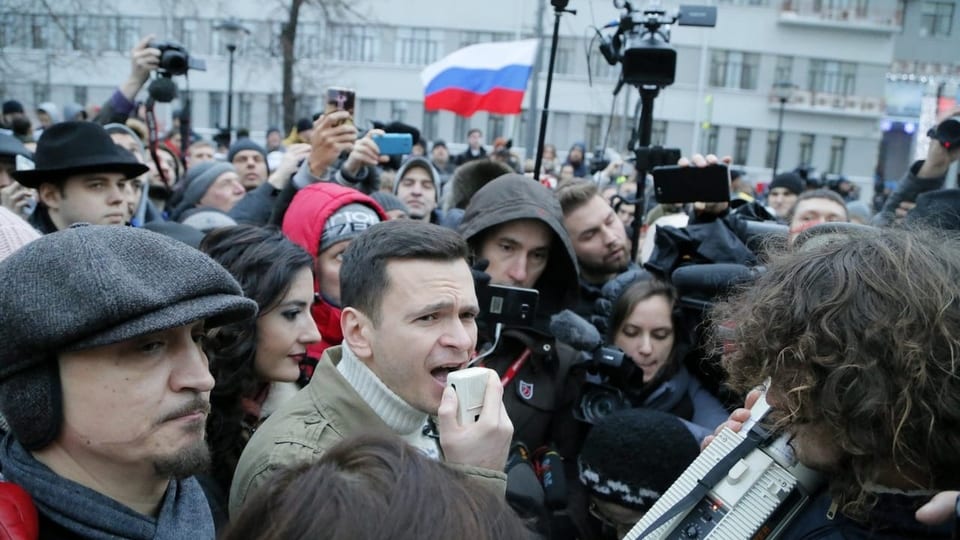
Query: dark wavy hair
371	487
861	335
264	262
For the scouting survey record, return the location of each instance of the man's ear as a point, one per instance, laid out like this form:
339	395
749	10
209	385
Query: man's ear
50	195
357	330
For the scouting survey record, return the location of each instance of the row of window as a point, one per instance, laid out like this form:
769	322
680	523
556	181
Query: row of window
936	18
741	148
736	69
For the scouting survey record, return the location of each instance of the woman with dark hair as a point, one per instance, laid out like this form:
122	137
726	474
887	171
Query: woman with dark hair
257	358
372	487
643	323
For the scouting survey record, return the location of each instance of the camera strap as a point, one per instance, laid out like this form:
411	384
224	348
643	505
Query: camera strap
755	437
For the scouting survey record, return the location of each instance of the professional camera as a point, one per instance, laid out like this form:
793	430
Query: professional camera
947	133
641	43
599	161
175	60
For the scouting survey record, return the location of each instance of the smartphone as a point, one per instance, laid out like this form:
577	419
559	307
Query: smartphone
340	99
394	144
674	184
510	306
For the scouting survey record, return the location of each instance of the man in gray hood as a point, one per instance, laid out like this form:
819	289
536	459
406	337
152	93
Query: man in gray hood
516	224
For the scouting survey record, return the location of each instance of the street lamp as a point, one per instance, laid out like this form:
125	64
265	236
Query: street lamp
782	90
231	34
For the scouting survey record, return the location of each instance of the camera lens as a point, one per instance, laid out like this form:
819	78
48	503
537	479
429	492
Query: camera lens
174	61
599	402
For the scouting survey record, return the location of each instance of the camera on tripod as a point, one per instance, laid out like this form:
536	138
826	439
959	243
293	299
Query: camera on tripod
641	44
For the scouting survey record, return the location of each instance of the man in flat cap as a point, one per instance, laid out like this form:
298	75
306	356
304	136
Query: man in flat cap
80	176
104	383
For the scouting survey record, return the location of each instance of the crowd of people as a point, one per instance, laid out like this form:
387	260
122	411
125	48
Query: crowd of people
223	339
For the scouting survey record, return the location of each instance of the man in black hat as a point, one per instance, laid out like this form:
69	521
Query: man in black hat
104	382
80	176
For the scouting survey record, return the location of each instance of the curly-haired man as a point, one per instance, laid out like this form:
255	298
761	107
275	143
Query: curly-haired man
860	337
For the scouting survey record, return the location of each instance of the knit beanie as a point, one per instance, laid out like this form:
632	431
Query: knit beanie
346	223
244	144
206	219
389	202
633	456
14	233
12	106
789	180
90	286
196	182
423	163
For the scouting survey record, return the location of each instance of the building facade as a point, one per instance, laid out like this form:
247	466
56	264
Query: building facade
833	55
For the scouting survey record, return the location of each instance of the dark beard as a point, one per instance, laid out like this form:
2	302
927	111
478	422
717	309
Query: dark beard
603	269
192	460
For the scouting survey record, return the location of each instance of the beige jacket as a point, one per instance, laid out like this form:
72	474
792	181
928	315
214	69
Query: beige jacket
324	413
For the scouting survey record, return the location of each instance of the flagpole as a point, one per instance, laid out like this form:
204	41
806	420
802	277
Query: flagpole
559	7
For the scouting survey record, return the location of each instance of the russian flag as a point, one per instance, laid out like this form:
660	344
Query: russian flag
484	77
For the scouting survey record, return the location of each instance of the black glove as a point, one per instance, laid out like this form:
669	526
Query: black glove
480	278
603	306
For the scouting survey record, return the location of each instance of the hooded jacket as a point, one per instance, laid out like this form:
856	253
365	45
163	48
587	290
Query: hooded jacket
514	196
303	224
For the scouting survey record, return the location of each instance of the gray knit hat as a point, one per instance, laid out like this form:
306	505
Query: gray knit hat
90	286
389	201
197	181
346	223
245	143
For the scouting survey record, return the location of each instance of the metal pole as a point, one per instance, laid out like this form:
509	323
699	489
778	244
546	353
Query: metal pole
546	98
776	153
530	137
231	49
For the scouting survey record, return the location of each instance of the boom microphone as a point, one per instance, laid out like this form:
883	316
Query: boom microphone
711	279
575	331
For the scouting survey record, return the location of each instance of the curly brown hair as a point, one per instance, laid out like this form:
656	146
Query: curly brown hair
861	337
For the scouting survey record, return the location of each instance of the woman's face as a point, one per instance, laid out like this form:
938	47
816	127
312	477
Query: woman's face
284	332
647	335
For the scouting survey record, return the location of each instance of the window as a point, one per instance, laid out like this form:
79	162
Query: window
593	130
215	109
495	127
15	30
784	70
417	46
41	92
741	146
472	38
712	135
245	110
734	69
658	133
936	19
309	42
428	128
354	43
830	77
806	148
460	127
398	111
186	33
837	148
40	32
80	95
773	139
275	112
564	60
365	109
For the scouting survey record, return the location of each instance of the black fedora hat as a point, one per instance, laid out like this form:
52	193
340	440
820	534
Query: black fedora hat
70	148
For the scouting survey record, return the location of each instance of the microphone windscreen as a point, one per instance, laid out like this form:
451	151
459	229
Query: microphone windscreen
575	331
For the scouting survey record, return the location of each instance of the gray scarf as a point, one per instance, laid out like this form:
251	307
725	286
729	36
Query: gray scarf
184	512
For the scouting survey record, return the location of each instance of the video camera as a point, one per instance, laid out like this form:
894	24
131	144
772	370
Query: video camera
947	133
641	43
